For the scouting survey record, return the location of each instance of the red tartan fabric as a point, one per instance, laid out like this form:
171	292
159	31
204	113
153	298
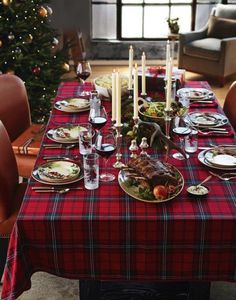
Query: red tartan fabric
107	235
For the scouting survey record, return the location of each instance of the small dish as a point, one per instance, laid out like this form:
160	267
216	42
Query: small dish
200	190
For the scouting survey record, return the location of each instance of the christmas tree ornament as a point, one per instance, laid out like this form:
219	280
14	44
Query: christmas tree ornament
55	41
42	12
6	2
36	70
66	67
49	9
29	38
10	72
11	36
1	43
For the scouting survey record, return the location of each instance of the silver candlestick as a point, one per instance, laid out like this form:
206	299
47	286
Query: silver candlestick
168	117
135	127
118	164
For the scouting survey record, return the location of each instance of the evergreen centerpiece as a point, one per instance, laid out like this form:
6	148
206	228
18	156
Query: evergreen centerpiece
29	49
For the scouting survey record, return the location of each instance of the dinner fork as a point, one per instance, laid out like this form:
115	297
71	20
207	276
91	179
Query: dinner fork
224	176
56	146
212	131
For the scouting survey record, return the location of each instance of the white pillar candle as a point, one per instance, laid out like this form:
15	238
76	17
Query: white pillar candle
113	96
169	83
143	74
135	91
131	57
118	99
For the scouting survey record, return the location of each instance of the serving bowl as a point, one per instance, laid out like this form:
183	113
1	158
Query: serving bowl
103	84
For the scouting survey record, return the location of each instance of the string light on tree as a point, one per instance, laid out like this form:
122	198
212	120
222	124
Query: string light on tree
6	2
11	36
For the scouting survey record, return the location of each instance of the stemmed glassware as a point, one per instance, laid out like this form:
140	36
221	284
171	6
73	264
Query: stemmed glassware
97	117
105	146
83	71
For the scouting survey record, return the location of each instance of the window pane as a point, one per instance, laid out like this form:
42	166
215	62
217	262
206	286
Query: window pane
202	15
132	1
156	1
131	22
104	21
181	1
155	24
184	15
107	1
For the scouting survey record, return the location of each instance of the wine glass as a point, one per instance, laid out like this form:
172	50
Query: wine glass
105	146
97	117
181	129
83	71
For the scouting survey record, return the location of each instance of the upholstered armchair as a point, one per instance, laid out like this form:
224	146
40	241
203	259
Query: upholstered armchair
212	49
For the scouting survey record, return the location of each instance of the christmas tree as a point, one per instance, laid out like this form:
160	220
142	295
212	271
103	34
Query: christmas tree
29	49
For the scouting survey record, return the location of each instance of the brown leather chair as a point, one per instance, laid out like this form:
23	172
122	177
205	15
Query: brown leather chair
15	115
11	193
230	105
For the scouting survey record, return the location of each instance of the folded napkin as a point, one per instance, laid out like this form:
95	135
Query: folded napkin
196	104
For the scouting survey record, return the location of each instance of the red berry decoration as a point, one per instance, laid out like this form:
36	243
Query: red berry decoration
36	70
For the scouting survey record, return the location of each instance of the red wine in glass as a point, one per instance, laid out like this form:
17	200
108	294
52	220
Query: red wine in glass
105	146
83	75
98	122
97	117
106	150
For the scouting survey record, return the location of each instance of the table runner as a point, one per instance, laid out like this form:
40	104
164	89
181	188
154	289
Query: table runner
106	235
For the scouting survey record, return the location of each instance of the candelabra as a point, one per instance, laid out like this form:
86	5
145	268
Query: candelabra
118	164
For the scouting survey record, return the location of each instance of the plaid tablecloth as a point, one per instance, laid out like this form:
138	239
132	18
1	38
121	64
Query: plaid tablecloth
107	235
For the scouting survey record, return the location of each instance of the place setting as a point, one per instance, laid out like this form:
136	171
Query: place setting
219	157
198	97
72	105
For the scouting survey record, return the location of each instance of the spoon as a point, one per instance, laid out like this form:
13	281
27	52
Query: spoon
199	189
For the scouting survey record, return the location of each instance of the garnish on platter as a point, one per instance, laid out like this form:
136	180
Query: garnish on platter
150	180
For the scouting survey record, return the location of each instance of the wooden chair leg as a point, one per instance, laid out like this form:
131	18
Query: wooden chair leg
3	254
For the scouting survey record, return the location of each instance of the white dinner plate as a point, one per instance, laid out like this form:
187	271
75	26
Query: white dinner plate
65	134
203	160
58	172
207	119
219	158
73	105
195	94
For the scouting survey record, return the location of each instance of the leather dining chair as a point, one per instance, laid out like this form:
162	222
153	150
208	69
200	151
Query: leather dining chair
11	193
229	106
15	115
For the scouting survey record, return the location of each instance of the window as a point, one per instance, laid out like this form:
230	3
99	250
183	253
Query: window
138	19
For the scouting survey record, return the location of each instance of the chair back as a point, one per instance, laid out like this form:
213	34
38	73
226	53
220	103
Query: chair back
14	105
8	174
226	11
230	105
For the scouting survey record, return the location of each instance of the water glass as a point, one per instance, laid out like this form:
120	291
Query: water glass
191	141
91	171
85	138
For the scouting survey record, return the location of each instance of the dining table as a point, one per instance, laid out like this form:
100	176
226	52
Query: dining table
107	235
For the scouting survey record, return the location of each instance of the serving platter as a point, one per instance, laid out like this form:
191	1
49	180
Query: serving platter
207	119
130	187
58	172
65	134
195	94
72	105
205	156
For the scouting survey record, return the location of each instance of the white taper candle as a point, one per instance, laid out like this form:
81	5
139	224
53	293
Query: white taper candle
131	57
118	99
135	91
113	97
143	74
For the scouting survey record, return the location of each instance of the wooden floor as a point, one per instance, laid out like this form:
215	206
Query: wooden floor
99	68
